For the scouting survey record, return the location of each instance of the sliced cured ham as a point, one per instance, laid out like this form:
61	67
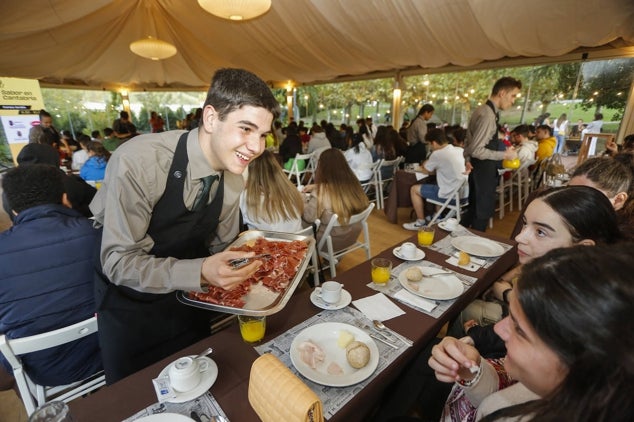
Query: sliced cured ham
275	273
311	354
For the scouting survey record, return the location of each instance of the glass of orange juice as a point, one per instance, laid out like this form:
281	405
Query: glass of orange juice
425	236
381	269
252	328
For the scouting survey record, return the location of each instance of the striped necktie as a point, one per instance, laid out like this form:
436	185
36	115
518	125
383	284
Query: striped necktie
203	195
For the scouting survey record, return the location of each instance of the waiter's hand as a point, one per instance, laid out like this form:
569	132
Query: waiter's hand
510	153
216	270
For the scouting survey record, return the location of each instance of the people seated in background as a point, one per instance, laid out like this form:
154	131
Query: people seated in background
122	127
79	192
555	218
95	136
447	163
42	289
81	155
270	201
336	191
68	143
594	126
157	124
576	130
95	166
318	140
364	133
291	146
359	159
110	142
615	180
546	142
524	147
569	338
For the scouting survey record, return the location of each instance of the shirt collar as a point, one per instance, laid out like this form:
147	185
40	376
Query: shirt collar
198	165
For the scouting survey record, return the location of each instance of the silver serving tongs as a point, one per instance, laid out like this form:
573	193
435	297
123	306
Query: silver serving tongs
241	262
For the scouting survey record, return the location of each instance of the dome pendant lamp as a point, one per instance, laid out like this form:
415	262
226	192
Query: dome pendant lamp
236	10
153	48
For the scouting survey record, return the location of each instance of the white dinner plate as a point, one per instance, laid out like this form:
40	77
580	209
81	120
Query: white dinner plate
344	301
478	246
419	254
438	288
165	417
325	336
207	380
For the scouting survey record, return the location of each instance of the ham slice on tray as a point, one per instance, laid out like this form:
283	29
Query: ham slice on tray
276	272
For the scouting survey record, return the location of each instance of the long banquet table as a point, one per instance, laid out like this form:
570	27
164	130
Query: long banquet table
234	358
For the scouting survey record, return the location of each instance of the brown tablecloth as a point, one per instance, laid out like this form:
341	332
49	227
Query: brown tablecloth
399	194
234	358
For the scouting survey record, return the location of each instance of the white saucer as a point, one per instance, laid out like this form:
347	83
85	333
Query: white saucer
208	378
443	226
419	255
344	301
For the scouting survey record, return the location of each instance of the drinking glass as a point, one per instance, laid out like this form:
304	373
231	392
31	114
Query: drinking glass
381	269
425	236
252	328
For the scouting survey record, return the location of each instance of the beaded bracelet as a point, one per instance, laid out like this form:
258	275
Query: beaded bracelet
474	380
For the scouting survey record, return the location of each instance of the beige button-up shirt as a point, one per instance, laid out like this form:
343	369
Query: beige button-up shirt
136	177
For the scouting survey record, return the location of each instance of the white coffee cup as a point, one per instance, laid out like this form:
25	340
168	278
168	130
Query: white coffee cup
330	292
451	223
186	373
407	250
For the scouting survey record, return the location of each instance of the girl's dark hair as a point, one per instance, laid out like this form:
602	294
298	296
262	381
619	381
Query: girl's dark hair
579	302
587	213
99	150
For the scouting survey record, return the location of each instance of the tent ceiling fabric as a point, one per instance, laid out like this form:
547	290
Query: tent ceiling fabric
85	43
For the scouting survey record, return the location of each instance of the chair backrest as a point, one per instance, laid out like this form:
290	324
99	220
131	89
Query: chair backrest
34	395
325	246
374	180
295	171
390	163
457	199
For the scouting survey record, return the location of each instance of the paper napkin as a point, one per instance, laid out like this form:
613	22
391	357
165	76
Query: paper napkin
417	301
378	307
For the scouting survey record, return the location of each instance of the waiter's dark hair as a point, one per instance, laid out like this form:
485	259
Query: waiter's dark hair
506	83
233	88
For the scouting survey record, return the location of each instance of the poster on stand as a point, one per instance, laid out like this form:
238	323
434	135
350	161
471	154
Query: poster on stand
20	104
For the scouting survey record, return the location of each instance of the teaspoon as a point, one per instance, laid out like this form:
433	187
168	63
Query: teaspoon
380	326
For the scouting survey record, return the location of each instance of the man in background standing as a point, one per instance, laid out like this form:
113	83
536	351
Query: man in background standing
484	151
123	128
416	131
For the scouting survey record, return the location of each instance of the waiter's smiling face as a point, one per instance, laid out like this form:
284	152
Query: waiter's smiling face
230	144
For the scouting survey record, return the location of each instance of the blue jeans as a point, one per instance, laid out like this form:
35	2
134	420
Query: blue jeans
429	191
561	141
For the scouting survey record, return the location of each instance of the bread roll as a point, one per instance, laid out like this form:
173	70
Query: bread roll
414	274
463	258
358	354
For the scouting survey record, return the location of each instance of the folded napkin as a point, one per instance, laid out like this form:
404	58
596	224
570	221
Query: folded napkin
276	394
378	307
412	299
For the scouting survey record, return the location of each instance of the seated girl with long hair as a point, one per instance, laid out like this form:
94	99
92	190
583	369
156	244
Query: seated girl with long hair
270	201
336	191
569	338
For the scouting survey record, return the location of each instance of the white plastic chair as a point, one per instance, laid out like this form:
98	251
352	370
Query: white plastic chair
34	395
295	171
372	186
314	260
325	247
454	202
385	182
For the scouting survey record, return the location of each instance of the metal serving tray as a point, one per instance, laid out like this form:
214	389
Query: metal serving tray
260	300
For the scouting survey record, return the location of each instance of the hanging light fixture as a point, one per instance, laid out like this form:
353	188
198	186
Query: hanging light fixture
153	48
236	10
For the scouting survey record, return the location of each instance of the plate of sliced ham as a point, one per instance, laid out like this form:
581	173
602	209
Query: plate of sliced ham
319	354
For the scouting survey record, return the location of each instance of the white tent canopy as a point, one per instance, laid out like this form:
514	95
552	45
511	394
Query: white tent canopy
85	43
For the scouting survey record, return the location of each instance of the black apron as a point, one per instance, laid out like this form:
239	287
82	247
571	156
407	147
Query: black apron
137	329
483	181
